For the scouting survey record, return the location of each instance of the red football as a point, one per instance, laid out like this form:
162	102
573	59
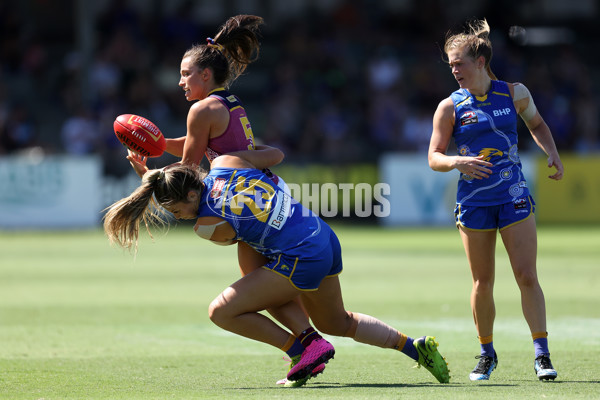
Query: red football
140	135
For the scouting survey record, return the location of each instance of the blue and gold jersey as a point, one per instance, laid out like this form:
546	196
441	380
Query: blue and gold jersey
487	126
261	213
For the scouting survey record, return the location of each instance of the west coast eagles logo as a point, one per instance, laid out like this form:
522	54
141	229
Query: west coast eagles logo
468	117
488	153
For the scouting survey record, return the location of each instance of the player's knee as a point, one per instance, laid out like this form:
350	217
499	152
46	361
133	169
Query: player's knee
526	278
483	286
217	311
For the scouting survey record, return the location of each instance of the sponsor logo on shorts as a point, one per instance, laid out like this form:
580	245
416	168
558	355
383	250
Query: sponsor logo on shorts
521	205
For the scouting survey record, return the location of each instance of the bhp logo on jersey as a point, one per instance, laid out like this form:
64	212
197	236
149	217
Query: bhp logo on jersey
504	111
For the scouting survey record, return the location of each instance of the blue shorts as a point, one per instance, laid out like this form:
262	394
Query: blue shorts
490	218
307	272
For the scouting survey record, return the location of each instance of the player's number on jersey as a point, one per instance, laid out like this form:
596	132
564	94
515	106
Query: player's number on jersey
248	131
254	194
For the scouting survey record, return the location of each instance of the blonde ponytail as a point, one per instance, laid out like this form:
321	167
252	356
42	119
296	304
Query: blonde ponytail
122	220
159	188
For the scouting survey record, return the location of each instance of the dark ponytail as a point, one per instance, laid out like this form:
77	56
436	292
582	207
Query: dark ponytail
234	47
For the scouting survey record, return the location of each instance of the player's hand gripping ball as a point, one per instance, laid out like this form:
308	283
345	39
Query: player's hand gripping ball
140	135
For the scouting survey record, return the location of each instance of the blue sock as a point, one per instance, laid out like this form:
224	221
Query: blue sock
488	349
296	349
409	349
307	337
541	347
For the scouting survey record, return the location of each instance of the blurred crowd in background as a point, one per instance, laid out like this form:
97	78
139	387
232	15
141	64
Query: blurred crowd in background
337	81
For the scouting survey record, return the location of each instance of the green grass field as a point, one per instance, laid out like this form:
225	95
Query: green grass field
82	320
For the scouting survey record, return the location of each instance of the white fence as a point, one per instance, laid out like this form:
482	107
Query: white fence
49	192
421	196
70	192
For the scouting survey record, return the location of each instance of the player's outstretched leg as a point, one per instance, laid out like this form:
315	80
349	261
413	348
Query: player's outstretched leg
319	351
484	368
370	330
431	359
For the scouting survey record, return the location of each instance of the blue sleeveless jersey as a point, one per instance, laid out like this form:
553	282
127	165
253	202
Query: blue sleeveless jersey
487	126
262	214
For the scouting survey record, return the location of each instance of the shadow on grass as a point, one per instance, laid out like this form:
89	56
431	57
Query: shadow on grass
398	385
557	381
333	385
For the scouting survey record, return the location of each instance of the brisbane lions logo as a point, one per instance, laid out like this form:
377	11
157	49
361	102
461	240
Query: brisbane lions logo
489	152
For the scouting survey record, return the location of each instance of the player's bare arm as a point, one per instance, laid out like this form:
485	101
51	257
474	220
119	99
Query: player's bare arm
538	128
443	125
261	157
198	132
216	230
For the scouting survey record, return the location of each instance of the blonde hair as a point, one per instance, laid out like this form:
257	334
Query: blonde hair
477	42
234	47
159	188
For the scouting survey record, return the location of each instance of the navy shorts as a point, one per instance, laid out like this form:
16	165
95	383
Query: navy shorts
307	272
490	218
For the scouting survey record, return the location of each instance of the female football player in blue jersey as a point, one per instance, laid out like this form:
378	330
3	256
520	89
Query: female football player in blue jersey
217	123
481	117
236	202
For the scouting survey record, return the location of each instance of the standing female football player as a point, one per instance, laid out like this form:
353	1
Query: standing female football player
217	124
236	202
492	195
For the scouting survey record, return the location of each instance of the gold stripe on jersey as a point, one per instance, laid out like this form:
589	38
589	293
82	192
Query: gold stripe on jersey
215	90
464	101
227	191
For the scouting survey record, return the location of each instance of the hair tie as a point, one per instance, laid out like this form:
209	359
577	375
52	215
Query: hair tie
211	43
